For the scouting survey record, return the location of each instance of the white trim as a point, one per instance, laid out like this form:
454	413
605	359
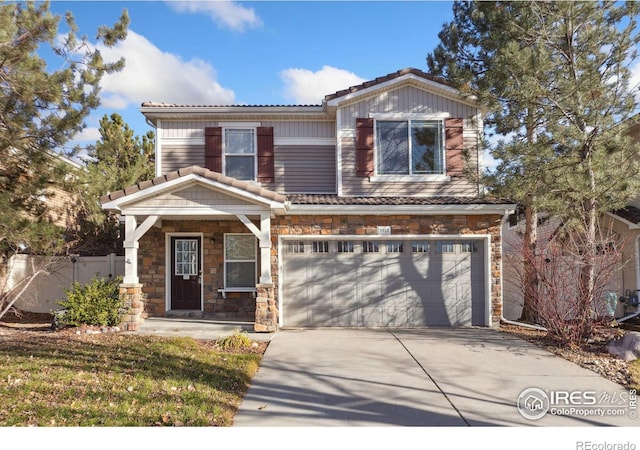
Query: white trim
486	238
339	151
239	124
158	149
422	178
167	266
390	210
121	202
410	116
195	211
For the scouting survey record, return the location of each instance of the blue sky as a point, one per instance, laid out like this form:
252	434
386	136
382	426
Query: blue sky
253	52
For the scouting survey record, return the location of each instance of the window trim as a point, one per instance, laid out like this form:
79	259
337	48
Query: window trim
225	261
254	155
409	117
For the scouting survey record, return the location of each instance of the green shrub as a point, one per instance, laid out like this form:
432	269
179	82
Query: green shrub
239	340
95	303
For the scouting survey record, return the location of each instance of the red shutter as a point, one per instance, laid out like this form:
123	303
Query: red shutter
364	147
213	149
265	155
454	144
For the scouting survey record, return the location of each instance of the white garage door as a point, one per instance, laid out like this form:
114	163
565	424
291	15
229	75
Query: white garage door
383	283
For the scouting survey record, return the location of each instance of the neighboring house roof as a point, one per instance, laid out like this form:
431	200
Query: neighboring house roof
628	213
248	186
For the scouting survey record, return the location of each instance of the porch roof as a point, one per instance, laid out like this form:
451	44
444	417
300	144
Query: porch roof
247	186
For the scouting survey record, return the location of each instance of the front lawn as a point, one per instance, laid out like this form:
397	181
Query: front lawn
61	379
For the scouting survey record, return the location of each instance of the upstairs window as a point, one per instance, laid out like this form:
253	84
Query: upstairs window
410	147
240	153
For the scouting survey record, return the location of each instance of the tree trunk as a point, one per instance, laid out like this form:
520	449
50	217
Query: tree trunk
530	282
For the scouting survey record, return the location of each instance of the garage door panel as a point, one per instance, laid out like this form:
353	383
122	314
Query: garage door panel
395	289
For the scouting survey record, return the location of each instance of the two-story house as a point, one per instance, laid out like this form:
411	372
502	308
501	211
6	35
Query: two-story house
355	212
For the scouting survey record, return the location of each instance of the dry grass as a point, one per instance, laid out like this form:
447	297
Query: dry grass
62	379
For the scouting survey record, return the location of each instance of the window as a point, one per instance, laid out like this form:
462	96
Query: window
444	247
345	247
395	247
469	246
320	247
410	147
240	153
370	247
420	247
295	247
186	254
240	261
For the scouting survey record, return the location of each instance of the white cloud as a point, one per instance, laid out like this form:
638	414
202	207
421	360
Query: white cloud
226	13
89	134
635	80
306	87
153	75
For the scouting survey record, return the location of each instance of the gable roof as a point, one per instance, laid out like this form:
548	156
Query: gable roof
207	174
384	79
155	110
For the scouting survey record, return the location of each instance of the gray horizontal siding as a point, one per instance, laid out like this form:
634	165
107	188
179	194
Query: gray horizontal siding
408	99
304	169
185	129
179	156
298	169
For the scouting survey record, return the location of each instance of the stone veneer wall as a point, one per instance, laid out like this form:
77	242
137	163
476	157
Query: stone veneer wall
243	306
400	224
152	271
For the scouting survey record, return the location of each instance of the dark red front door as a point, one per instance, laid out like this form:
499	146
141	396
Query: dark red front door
185	273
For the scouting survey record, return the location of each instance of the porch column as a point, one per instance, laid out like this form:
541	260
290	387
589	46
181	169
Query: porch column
130	251
132	234
265	249
264	236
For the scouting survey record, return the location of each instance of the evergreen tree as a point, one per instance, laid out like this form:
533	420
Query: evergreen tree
41	110
555	77
118	160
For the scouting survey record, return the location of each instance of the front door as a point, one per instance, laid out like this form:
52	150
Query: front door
185	273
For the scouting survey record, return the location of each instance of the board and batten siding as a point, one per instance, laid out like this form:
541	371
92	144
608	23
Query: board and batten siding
406	100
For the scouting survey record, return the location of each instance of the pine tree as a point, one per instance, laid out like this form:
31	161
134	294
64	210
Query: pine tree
555	78
118	160
41	110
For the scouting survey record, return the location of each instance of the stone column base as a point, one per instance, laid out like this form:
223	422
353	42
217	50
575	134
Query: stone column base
266	309
133	300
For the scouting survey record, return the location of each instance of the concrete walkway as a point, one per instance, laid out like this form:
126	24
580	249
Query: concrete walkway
206	329
427	377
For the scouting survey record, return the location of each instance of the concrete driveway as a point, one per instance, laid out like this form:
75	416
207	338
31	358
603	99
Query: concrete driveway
427	377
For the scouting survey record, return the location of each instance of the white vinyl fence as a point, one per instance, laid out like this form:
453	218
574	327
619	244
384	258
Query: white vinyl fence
47	289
